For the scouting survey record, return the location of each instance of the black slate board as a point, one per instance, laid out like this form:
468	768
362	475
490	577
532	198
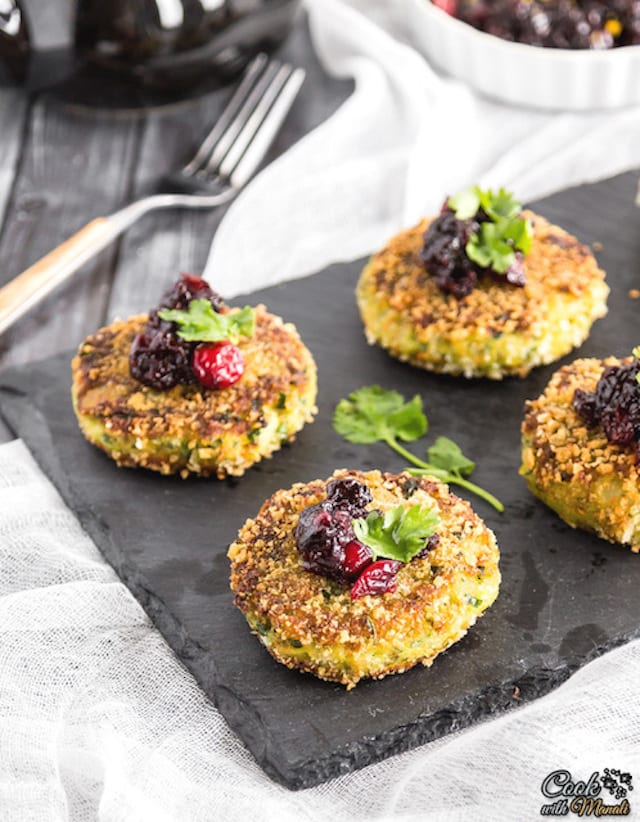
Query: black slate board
566	596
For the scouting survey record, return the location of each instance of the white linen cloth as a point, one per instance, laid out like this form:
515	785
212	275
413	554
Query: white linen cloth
97	718
404	140
99	721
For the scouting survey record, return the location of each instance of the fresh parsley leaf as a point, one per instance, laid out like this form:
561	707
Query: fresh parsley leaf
490	249
202	324
496	241
409	423
466	203
372	414
496	205
449	464
500	205
447	455
400	533
518	231
636	354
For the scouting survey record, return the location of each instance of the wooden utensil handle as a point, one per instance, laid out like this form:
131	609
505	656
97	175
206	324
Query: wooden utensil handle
25	290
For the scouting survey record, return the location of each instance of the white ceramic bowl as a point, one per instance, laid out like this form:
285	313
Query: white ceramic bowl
571	80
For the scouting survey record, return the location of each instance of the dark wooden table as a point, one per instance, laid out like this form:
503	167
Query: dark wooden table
63	165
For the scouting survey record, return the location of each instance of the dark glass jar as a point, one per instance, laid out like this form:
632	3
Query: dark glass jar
14	43
145	50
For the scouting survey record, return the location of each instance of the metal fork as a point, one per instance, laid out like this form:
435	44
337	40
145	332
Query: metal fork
224	163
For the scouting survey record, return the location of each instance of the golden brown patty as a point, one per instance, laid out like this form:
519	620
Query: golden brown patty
498	329
575	470
192	429
310	622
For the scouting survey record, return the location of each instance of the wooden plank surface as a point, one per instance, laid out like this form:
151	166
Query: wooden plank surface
13	113
162	244
74	166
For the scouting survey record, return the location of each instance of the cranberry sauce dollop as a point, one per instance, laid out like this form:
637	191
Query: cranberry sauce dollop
562	24
328	545
615	405
160	358
325	530
446	260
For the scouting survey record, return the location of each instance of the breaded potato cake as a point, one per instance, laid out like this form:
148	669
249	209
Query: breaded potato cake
311	622
190	429
498	329
571	466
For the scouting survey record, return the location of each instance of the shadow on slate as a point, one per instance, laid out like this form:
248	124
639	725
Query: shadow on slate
566	596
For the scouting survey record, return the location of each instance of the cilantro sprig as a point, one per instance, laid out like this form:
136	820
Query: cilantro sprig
400	533
202	324
495	243
446	462
636	354
372	414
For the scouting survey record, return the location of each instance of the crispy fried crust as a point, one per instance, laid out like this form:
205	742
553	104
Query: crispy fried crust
589	482
498	329
191	429
310	623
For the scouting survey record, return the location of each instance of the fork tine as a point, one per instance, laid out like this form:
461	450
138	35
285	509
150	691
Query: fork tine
267	128
254	69
251	125
230	136
247	126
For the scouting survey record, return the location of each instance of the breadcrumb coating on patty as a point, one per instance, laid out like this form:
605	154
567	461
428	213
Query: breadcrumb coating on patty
590	482
310	622
396	294
170	430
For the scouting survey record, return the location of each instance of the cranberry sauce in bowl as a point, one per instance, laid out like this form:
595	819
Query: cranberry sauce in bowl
560	24
521	53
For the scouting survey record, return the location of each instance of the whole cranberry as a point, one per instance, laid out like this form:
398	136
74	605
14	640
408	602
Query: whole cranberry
356	557
377	578
218	365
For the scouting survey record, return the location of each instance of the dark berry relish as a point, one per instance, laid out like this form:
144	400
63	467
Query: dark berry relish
328	545
349	495
445	258
444	254
160	358
615	405
325	530
188	288
561	24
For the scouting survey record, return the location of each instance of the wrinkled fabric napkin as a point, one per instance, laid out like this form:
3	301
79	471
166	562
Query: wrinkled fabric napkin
98	720
404	140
